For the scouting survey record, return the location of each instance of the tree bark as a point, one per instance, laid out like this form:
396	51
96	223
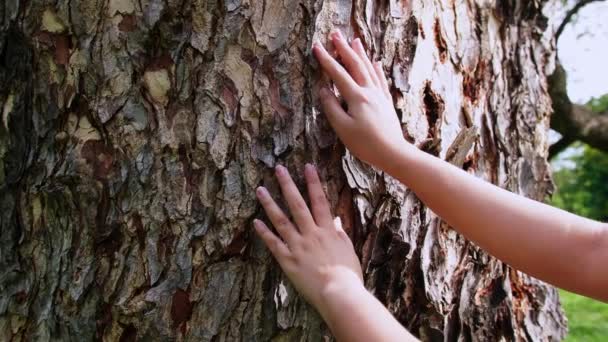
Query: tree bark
134	134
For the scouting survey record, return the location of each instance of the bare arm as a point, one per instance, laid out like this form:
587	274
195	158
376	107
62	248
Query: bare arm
353	314
319	259
548	243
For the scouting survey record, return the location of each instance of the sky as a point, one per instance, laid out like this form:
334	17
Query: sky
583	51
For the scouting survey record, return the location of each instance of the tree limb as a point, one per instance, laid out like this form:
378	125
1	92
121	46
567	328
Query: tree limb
559	146
570	14
574	121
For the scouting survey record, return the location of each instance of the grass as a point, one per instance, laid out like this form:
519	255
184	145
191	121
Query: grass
587	318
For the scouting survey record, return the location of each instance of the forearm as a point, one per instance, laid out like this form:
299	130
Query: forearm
543	241
555	246
354	314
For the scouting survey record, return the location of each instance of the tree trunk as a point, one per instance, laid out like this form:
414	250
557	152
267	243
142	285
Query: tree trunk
134	134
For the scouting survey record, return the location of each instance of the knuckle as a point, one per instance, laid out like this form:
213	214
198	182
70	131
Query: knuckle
361	97
296	248
276	246
306	245
320	236
321	239
291	263
300	205
289	259
319	198
360	64
282	222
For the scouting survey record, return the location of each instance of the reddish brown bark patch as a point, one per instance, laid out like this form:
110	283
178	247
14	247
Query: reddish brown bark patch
59	44
20	297
229	97
473	82
128	23
129	334
238	244
421	30
274	89
440	42
163	61
346	211
434	106
62	49
99	157
104	319
109	244
181	308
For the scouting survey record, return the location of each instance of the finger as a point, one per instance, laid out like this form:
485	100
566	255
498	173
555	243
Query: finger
345	83
337	222
351	60
337	117
297	205
318	200
281	223
360	51
274	244
382	78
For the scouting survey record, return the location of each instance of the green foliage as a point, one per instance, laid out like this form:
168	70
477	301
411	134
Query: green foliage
598	104
587	318
583	189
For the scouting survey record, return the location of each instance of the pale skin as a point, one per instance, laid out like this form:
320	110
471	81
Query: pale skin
555	246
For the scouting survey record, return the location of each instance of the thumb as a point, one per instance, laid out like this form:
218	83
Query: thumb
338	118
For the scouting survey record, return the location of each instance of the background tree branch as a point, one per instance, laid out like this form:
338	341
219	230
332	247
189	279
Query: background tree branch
570	14
559	146
574	121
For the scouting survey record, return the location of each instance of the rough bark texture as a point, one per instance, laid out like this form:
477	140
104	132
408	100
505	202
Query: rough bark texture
134	133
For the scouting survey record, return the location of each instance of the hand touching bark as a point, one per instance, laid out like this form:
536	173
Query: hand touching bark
315	254
530	236
370	129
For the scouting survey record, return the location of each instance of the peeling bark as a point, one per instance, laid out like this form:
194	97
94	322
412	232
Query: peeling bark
134	134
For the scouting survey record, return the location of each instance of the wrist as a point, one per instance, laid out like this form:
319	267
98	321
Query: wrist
339	291
398	156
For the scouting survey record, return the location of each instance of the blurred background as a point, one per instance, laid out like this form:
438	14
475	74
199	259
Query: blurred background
579	152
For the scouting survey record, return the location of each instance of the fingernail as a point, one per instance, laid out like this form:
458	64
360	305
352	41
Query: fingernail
280	170
309	170
336	34
358	43
258	226
261	192
323	92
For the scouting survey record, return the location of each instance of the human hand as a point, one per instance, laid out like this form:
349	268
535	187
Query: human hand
370	129
315	253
